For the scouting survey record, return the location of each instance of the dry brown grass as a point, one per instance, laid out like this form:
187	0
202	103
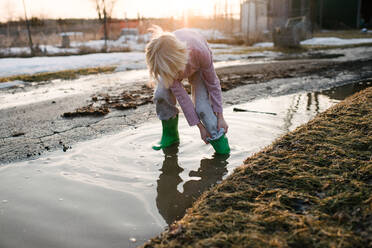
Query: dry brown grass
66	74
310	188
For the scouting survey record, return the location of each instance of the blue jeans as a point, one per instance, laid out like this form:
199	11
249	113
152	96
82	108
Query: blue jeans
166	108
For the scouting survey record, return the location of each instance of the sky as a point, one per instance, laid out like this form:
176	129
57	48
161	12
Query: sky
13	9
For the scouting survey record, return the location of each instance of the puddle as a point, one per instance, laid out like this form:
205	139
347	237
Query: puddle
117	192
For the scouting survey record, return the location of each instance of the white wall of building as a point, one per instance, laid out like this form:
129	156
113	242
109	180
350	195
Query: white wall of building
254	18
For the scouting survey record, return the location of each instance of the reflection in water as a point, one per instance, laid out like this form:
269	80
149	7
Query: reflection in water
309	101
53	201
341	92
316	98
308	105
336	93
293	108
171	203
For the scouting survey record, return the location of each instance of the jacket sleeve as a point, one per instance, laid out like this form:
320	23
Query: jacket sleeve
211	80
185	102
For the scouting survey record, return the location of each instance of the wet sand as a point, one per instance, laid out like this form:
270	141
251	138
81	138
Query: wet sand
116	191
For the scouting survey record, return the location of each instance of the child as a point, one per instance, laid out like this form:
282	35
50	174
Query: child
171	57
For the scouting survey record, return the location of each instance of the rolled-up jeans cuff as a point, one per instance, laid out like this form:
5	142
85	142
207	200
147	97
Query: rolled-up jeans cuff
216	135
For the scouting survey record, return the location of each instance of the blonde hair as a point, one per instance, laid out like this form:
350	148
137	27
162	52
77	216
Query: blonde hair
165	56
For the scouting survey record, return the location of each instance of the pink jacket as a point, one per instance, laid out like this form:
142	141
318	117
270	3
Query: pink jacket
200	59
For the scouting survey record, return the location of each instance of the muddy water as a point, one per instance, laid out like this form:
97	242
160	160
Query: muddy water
117	192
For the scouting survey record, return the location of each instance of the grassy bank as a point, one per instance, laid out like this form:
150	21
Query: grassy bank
310	188
66	74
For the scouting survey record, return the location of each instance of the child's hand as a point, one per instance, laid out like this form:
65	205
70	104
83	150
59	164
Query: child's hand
221	123
204	134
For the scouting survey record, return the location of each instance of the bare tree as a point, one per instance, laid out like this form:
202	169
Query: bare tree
104	9
28	30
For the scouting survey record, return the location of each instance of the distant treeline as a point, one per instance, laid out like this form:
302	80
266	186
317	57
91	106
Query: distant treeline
48	26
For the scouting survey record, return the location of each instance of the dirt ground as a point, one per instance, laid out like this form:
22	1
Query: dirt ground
230	78
27	131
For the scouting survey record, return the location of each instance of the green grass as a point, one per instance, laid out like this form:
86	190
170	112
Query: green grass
310	188
66	74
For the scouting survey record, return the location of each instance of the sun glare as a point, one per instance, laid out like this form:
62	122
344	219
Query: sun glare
197	6
10	9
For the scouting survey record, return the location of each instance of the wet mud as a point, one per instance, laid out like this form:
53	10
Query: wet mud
101	103
312	55
89	110
239	76
37	109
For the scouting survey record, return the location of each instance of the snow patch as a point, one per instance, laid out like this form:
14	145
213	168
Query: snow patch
332	41
264	44
11	84
328	41
19	66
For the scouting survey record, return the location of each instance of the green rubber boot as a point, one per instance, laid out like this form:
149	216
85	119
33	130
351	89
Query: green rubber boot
170	134
221	145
